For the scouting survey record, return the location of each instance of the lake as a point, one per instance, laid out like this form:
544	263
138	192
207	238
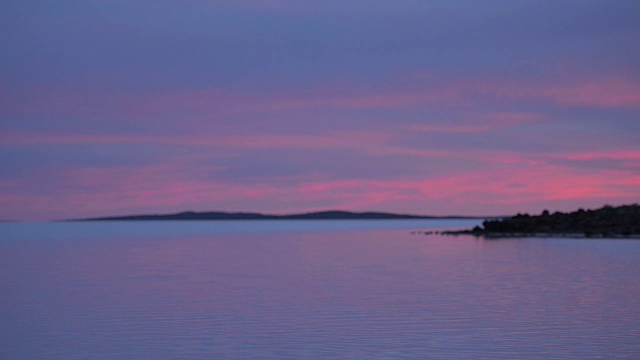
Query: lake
311	290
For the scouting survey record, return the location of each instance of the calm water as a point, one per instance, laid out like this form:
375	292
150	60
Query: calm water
327	289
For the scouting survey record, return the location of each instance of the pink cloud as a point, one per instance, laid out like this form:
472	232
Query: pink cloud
511	183
614	154
614	91
482	123
494	188
606	93
339	139
499	179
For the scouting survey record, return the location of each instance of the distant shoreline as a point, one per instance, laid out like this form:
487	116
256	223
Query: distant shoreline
240	216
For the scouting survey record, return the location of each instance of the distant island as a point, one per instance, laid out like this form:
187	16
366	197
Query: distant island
608	221
322	215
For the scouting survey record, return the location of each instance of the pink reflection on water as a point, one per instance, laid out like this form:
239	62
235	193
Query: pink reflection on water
350	293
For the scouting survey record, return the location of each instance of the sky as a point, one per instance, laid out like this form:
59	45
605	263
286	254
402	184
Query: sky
470	107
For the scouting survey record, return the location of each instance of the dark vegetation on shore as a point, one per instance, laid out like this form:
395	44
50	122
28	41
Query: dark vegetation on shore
608	221
216	215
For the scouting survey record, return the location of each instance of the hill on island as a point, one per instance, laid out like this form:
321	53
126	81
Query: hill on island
607	221
217	215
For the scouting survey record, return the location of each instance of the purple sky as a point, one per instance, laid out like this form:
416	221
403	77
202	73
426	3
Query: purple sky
432	107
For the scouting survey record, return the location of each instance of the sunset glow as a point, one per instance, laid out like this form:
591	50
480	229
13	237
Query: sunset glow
435	108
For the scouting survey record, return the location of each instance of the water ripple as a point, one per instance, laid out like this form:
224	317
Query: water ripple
349	295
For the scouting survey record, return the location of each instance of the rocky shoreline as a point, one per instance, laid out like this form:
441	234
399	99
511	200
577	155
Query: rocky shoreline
489	235
622	222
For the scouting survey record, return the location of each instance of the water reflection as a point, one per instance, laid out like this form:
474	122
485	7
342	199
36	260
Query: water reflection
354	294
